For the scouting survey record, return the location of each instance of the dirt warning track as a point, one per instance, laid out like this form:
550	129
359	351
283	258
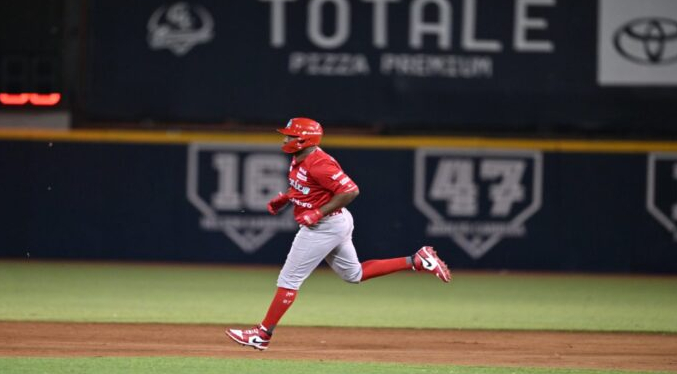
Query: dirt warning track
627	351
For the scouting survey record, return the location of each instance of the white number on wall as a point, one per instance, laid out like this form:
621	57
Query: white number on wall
455	183
262	178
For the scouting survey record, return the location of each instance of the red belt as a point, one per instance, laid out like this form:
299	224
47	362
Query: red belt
337	212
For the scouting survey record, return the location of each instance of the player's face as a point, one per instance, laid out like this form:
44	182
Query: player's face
288	138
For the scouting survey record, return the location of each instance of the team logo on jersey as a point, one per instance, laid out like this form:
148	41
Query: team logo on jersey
231	186
180	27
299	187
477	197
661	190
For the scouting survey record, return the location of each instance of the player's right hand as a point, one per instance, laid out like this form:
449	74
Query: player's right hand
277	203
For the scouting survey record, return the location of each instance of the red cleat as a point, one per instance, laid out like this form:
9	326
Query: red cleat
425	259
257	337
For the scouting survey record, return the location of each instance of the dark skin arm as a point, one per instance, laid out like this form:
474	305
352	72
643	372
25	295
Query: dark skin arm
338	202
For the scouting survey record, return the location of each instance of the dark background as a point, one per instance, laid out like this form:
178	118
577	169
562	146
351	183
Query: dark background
124	201
97	54
96	200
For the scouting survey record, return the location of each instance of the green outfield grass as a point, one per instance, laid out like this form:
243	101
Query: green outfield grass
40	291
165	365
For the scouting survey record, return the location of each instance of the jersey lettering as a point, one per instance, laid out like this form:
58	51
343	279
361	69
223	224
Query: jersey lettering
297	186
301	203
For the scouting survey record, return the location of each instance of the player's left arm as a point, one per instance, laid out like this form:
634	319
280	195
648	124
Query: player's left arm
339	201
330	176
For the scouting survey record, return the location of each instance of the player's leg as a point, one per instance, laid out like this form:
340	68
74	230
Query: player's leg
425	259
378	268
307	251
310	246
343	260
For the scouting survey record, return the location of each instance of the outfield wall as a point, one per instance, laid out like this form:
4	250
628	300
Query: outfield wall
485	204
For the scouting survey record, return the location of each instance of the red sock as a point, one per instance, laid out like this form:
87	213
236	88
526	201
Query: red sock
376	268
283	299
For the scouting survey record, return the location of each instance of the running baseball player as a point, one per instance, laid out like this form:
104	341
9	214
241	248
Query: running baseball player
320	190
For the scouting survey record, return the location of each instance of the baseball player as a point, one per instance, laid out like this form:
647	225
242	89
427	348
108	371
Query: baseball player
320	190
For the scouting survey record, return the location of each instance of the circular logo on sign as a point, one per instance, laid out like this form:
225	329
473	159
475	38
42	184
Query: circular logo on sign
179	27
648	41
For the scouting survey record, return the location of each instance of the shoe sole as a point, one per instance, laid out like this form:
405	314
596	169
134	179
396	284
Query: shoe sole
236	340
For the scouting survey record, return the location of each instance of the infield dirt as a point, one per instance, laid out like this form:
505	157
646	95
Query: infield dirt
629	351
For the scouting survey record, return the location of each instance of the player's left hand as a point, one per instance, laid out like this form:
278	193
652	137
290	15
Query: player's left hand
309	218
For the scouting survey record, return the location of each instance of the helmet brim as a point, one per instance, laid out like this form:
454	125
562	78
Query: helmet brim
288	132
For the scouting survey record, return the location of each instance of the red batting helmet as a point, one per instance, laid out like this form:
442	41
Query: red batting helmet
307	132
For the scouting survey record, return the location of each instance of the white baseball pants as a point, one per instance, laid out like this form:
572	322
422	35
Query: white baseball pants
330	239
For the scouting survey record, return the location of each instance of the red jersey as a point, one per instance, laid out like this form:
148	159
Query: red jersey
315	180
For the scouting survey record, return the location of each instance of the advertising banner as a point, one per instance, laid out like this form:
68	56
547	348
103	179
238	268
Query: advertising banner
507	64
638	43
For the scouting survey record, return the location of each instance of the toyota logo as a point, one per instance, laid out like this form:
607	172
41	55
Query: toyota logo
649	41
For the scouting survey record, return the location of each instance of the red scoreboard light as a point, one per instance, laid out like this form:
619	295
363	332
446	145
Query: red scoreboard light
30	98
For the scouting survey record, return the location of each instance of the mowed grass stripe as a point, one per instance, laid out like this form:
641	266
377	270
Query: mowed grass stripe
176	365
118	292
